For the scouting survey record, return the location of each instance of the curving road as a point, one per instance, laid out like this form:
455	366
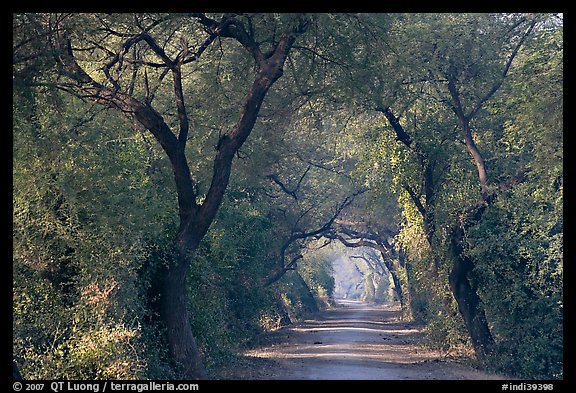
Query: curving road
352	341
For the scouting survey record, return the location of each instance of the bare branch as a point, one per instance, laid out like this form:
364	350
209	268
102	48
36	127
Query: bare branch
296	237
284	188
320	166
507	66
401	135
362	257
321	56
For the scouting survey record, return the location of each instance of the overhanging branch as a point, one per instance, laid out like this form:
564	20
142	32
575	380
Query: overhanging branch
301	235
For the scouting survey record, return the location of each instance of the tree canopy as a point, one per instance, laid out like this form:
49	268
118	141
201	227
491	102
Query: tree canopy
183	182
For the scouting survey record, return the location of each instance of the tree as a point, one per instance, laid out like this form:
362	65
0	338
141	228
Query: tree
456	73
118	90
462	62
297	234
516	246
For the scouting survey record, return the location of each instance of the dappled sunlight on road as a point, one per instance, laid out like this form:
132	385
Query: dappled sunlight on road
353	328
357	341
385	353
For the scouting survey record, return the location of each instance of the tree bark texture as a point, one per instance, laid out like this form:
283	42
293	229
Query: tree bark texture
469	303
176	318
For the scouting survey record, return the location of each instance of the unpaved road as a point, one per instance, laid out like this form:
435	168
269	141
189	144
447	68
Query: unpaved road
352	341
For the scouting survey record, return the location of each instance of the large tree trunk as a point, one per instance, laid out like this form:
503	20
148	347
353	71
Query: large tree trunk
469	303
176	319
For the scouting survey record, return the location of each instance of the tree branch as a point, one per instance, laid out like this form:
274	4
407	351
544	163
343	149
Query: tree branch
82	84
233	28
180	105
357	243
304	235
416	199
504	73
269	70
362	257
292	193
401	135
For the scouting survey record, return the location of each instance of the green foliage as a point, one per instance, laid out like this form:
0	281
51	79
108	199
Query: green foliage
95	210
519	266
77	303
224	284
445	331
317	271
517	246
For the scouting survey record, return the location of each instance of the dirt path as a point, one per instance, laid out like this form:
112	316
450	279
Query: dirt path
352	341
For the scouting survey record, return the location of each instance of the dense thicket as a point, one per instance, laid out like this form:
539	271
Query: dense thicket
202	173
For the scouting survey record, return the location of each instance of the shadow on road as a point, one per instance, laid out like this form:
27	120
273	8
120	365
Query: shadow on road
354	340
